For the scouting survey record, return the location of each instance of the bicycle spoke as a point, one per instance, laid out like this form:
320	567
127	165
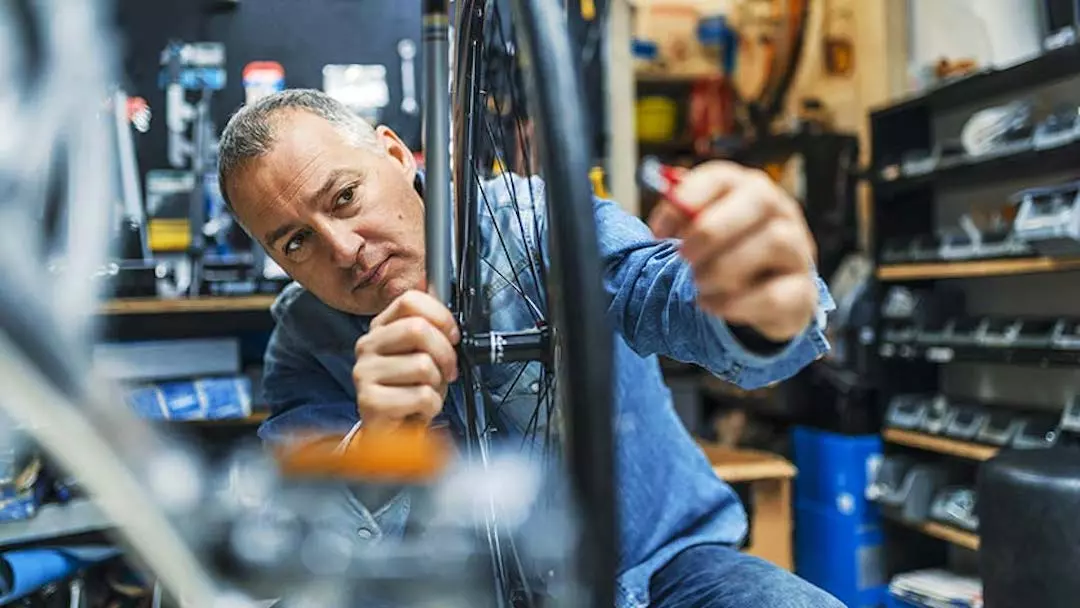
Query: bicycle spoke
526	588
534	420
503	161
502	242
506	397
537	314
518	122
517	210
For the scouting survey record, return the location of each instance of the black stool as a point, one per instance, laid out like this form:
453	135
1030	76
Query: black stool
1029	526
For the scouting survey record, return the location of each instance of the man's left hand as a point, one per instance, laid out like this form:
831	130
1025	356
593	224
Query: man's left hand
749	247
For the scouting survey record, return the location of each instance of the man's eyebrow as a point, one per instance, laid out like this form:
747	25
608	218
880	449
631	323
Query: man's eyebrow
331	180
278	233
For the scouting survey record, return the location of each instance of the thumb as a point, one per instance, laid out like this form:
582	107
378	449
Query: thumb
666	221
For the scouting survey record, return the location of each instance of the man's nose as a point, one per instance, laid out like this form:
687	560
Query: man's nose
345	245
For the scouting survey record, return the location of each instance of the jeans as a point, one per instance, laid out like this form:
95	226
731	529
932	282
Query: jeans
717	576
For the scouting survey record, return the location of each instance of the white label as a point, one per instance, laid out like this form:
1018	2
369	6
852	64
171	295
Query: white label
939	354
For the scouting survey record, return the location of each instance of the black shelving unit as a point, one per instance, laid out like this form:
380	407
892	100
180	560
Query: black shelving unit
981	169
910	206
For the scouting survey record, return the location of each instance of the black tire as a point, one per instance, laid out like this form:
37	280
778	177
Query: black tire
575	296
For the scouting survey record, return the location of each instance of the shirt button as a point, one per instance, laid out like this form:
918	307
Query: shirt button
534	387
365	533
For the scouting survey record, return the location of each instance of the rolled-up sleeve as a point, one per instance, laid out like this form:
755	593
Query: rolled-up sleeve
653	305
302	395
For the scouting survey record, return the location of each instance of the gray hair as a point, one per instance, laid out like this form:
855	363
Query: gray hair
250	132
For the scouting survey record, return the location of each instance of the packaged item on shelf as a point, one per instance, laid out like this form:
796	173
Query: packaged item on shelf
955	506
1036	333
1049	218
1066	335
939	414
1036	431
888	476
24	491
966	422
1000	428
202	399
1061	127
1000	130
935	587
909	499
907	411
965	331
918	162
1070	416
657	117
999	332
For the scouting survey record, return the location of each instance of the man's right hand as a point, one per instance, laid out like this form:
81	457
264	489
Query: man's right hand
405	361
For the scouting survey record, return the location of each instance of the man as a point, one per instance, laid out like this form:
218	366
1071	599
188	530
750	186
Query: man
339	206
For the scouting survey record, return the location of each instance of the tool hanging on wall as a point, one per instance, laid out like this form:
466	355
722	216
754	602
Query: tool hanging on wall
406	49
839	51
197	68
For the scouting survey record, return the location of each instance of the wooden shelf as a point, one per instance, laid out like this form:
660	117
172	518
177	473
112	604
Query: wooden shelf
955	536
253	419
156	306
941	445
742	465
668	78
981	268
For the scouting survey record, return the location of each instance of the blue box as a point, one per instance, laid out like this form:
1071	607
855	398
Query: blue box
842	554
834	470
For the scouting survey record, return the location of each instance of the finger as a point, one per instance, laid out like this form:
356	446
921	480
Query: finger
779	309
420	304
666	221
412	335
400	370
780	248
722	224
398	403
702	185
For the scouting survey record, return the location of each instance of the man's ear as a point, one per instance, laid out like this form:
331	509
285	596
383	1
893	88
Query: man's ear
397	151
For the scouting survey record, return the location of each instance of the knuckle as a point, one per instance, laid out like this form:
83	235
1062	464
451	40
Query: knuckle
429	369
416	327
431	398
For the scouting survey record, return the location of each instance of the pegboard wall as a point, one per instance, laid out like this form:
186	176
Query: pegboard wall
302	36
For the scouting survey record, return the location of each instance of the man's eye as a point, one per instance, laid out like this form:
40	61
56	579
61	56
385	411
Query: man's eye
294	244
346	197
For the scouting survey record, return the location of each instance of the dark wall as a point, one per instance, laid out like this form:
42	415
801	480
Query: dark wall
302	35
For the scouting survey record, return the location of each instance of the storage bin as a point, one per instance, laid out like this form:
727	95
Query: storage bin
835	470
841	554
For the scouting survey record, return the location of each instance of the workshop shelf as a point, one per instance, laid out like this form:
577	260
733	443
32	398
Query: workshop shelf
956	536
942	353
951	534
940	445
254	419
157	306
975	269
54	521
984	169
1047	67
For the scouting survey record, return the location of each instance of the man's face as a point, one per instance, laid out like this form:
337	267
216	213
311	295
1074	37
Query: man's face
344	221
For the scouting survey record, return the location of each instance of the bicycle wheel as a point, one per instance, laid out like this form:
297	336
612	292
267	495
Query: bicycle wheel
520	172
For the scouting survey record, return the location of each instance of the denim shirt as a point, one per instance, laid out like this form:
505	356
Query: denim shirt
669	497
